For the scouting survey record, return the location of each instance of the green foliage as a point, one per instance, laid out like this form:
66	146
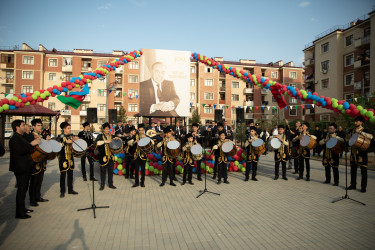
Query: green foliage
195	117
240	135
122	114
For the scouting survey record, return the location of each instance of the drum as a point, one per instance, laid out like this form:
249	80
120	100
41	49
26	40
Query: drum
335	145
146	145
359	142
91	151
173	148
56	148
259	146
229	149
196	152
308	142
116	146
79	148
273	144
41	151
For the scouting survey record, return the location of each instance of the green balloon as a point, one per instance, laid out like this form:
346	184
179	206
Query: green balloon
151	168
34	97
156	171
360	108
363	111
343	111
340	107
37	93
119	160
372	119
5	106
334	105
119	166
369	114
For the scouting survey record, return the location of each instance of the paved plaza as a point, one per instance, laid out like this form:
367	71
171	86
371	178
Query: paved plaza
267	214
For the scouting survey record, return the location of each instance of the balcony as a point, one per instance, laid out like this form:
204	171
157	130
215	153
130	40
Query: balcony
265	103
119	70
309	62
264	92
362	41
118	85
118	99
248	103
67	68
66	112
361	64
221	101
222	89
86	69
7	65
83	113
87	99
248	91
249	116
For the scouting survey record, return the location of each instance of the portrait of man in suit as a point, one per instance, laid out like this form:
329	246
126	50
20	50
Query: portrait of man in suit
157	95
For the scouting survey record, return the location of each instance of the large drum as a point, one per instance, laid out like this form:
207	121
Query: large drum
273	144
229	149
259	146
79	148
56	148
173	148
41	151
196	152
359	142
335	145
146	145
308	142
116	146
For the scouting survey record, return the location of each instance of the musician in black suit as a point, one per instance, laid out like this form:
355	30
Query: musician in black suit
87	136
167	160
118	129
158	127
158	96
178	131
294	145
129	153
228	130
128	127
218	131
197	137
21	165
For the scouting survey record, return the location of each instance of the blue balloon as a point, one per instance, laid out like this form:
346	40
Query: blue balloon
159	163
12	107
65	90
231	73
345	105
115	171
262	80
246	74
55	91
194	170
230	68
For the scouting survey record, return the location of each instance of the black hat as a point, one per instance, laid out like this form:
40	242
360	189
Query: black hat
220	124
86	124
189	135
105	125
253	128
281	126
195	124
222	132
64	125
359	118
307	124
35	121
141	126
131	128
118	121
167	129
333	125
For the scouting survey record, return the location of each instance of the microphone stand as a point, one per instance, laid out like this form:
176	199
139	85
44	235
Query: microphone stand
346	196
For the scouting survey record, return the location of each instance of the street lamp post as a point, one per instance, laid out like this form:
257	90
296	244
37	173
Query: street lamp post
108	88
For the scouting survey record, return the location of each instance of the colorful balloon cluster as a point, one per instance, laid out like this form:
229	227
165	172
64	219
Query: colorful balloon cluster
15	101
341	106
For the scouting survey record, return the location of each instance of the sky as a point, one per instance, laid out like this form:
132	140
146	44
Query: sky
265	31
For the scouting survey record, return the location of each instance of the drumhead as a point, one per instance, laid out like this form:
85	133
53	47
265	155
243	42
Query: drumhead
115	144
45	146
331	142
227	147
257	143
275	143
173	144
56	147
305	141
79	145
196	149
144	141
353	139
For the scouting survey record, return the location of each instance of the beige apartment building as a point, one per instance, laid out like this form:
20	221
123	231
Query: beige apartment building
337	64
26	69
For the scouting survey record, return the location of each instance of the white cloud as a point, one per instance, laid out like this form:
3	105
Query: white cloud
106	6
304	4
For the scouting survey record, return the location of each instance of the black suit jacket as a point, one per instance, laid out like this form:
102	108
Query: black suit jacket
147	98
20	158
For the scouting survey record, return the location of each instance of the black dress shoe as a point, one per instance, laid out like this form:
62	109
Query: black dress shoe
335	184
326	182
34	204
183	183
284	178
84	178
131	177
113	187
254	179
93	179
29	210
72	192
135	185
101	187
42	200
199	179
352	187
172	184
191	183
299	178
276	178
143	185
363	190
214	177
62	195
162	184
126	177
247	179
174	178
23	216
218	182
307	179
295	172
226	182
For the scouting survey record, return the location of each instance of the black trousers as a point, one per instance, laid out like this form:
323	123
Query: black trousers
70	181
129	166
139	162
253	166
107	168
167	170
302	160
335	170
199	170
83	166
353	173
35	187
296	164
22	186
188	170
222	171
283	167
216	164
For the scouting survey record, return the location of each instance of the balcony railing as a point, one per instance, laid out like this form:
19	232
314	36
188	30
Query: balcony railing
118	98
264	92
249	116
248	91
119	70
361	63
248	103
309	62
66	112
67	68
266	117
85	69
83	113
362	41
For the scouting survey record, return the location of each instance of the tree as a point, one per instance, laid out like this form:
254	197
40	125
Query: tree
240	132
195	117
122	114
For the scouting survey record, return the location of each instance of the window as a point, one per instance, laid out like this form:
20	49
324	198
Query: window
134	92
10	75
9	90
235	97
208	82
348	40
367	32
84	106
349	79
293	112
118	93
101	63
349	97
263	72
133	107
52	62
292	100
192	69
52	105
293	85
28	60
293	75
118	79
325	48
52	76
366	75
324	118
235	85
192	82
67	76
208	70
325	66
208	95
102	92
134	65
101	107
27	75
275	111
192	96
86	63
133	78
67	61
26	89
349	60
324	84
274	74
118	107
208	110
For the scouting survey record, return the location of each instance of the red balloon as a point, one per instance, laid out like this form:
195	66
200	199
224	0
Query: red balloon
5	101
32	102
17	104
60	89
348	111
63	84
12	102
29	98
22	105
352	106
